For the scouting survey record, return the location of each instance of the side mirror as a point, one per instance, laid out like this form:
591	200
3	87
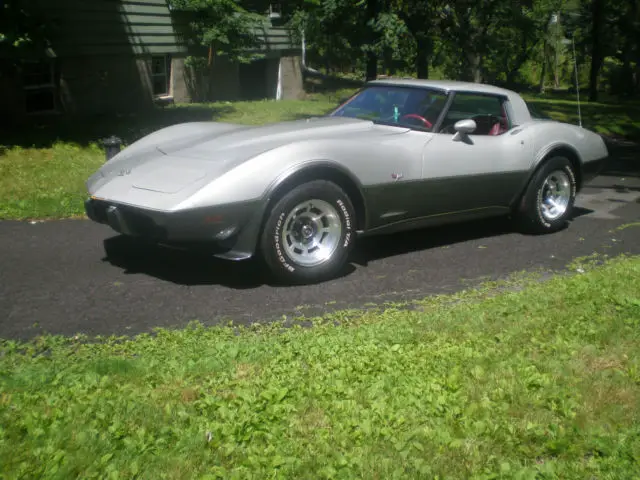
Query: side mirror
464	128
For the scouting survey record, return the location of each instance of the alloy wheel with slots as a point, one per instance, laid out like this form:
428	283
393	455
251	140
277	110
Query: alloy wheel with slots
556	195
312	232
548	200
309	233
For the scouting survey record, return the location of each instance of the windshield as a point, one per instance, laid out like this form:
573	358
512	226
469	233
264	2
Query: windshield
395	105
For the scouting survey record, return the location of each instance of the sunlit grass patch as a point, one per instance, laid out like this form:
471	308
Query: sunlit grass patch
543	382
46	182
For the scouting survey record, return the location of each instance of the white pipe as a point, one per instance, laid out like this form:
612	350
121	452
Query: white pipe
279	86
304	57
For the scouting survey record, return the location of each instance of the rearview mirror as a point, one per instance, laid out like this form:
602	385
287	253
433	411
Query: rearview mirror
463	128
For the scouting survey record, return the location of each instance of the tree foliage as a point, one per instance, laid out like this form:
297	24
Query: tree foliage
507	42
22	27
222	27
511	42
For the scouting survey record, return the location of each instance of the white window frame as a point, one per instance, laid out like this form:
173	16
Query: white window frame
167	75
51	86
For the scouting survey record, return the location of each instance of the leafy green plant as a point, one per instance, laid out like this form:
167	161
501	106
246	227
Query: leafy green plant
542	382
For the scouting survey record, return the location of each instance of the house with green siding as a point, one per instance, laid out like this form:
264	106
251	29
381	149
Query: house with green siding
110	56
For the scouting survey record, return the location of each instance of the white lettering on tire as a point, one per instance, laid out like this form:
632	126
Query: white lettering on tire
347	221
545	223
276	238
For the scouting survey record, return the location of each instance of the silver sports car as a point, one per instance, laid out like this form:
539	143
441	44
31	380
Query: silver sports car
397	155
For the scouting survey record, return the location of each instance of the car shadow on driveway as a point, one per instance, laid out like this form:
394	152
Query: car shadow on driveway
179	266
195	268
384	246
188	268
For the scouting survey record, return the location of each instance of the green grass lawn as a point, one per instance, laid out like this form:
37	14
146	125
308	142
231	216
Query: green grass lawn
46	182
43	169
543	383
610	117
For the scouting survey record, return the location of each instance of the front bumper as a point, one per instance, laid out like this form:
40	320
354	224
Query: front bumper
214	226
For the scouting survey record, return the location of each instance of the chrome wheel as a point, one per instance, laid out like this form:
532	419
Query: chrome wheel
312	232
555	195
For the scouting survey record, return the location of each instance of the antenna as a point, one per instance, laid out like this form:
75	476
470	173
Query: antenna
575	65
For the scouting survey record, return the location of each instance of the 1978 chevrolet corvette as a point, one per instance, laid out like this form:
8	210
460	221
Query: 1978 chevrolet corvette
397	155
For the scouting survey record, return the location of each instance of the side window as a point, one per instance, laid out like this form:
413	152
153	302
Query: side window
487	111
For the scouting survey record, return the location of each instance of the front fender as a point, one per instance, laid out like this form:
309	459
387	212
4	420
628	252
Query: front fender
257	178
310	164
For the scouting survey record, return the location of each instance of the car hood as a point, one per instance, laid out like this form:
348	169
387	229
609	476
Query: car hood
181	159
248	141
218	147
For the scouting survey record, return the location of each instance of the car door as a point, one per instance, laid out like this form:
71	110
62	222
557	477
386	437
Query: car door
478	171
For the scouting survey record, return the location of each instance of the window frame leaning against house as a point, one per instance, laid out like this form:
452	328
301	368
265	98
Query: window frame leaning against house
50	86
166	74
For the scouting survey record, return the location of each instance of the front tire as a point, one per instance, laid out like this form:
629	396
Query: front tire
309	233
548	201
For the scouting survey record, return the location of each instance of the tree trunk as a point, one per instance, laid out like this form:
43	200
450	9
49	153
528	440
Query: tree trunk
627	83
422	57
596	49
389	64
475	67
372	59
372	66
523	55
543	73
209	75
627	52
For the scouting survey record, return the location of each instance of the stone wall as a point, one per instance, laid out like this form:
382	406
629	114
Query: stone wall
292	82
232	81
180	81
110	84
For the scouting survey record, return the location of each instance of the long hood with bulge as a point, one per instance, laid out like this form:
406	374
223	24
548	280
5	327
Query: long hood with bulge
164	168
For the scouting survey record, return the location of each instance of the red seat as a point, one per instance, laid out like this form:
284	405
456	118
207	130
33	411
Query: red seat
498	128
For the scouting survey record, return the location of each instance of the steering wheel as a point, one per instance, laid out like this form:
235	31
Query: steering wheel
426	122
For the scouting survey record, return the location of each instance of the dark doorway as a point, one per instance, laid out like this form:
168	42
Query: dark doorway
253	80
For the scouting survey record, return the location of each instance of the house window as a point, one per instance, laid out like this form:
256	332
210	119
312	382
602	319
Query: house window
39	84
161	75
275	10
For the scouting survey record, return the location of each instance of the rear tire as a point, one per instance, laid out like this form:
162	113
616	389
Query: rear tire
309	233
548	201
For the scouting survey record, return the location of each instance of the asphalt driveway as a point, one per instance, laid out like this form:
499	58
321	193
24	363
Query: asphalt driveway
74	276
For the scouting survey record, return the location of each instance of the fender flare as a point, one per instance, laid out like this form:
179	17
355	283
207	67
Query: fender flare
247	241
543	155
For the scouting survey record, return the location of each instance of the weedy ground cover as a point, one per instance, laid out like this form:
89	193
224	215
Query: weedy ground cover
543	382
